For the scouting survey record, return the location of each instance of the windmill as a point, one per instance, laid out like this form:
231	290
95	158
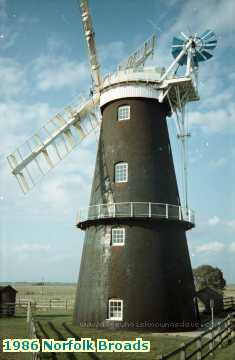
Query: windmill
135	268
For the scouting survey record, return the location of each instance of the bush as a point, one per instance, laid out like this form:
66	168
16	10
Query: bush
207	275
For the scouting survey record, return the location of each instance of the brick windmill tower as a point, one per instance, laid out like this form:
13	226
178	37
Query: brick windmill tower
135	269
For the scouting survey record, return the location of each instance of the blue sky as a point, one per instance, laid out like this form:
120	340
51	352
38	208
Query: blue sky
43	67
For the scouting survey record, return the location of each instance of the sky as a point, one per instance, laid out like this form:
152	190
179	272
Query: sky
44	67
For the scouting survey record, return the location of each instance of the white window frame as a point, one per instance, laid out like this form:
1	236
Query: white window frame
118	314
121	168
124	112
118	236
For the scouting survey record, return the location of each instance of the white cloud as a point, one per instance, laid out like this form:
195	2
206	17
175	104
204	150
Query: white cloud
215	220
7	34
20	121
230	224
32	248
113	52
213	247
68	186
19	115
214	121
218	162
216	15
53	72
220	98
232	247
12	77
61	193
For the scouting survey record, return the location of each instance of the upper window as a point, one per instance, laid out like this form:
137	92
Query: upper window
118	236
124	112
121	172
115	309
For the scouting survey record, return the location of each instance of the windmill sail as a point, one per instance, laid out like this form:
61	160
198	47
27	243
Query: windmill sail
56	139
139	57
90	38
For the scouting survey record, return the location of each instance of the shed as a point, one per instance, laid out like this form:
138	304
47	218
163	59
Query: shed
207	294
7	300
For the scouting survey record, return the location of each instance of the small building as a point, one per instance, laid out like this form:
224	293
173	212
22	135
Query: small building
206	295
7	300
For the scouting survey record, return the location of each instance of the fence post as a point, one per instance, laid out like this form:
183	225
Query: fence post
182	352
150	212
180	213
229	324
220	337
132	212
167	211
233	325
28	312
66	305
199	348
211	345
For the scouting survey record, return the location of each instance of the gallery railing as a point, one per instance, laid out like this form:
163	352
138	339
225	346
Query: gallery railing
136	210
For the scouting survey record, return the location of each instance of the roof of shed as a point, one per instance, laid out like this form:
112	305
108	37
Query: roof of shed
7	287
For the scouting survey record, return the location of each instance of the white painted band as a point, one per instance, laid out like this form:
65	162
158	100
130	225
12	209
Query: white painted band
128	91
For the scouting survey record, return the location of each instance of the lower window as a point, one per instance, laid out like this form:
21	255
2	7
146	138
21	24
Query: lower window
115	309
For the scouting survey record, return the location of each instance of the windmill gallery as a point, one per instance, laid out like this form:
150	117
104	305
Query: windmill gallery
135	265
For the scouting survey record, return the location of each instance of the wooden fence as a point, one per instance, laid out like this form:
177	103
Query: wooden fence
205	344
20	307
229	302
32	334
46	305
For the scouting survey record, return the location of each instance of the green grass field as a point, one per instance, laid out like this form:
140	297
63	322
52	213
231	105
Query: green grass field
230	290
62	327
59	326
14	327
46	292
36	292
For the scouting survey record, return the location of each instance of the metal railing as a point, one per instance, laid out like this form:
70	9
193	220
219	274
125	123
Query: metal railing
136	210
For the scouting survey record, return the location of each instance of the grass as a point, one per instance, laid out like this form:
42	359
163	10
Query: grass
230	290
13	327
159	343
226	353
16	328
46	292
36	292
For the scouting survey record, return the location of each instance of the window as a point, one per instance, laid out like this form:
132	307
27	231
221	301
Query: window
121	172
118	236
115	309
124	113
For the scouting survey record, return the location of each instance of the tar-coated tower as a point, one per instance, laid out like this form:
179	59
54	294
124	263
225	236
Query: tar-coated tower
135	269
135	265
